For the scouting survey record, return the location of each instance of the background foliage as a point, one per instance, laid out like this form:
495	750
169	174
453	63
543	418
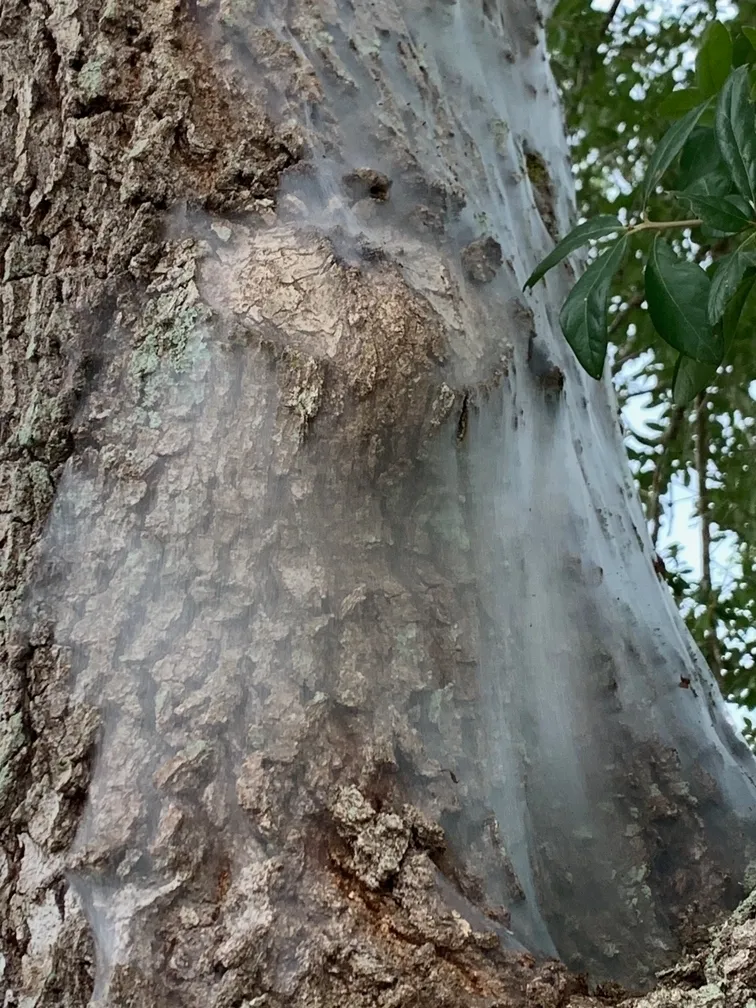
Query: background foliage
616	70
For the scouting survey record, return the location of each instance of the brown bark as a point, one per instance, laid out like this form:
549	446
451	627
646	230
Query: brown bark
270	730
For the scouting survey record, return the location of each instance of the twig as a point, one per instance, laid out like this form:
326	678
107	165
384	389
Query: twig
650	225
610	15
591	58
624	396
702	459
630	351
707	591
654	504
635	302
619	319
649	442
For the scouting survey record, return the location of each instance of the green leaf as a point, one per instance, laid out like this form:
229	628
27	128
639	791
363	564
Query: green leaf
596	227
714	59
669	147
734	310
736	132
730	272
700	157
750	34
583	317
728	214
717	184
711	235
677	294
743	50
691	377
679	102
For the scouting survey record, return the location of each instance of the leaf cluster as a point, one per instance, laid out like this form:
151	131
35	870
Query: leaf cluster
694	309
624	83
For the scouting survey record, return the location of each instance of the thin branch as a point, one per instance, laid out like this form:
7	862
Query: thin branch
610	16
654	503
708	596
650	225
630	351
715	659
649	442
702	459
635	302
591	57
624	397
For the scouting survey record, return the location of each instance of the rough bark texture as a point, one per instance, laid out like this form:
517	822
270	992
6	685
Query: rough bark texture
313	687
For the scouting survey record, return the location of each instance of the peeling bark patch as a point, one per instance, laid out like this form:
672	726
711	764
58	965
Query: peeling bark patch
302	382
379	341
378	841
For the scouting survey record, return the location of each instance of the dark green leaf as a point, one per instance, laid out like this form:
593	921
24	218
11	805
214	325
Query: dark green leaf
734	310
700	157
750	34
583	317
742	48
728	214
677	294
714	59
690	377
736	132
730	272
679	102
596	227
708	116
669	147
717	185
711	235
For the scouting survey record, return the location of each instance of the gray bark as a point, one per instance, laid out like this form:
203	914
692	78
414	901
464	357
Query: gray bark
336	667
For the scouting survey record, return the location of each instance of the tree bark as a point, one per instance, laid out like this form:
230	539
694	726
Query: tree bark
336	668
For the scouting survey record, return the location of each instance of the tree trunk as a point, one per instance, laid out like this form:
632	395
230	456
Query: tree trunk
336	667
